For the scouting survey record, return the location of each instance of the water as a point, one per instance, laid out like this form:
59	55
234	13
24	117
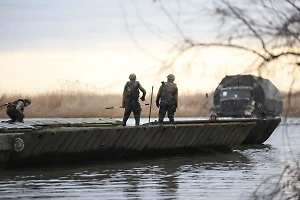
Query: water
229	176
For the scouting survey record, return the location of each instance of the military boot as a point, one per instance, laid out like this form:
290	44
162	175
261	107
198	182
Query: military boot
160	121
171	120
137	120
124	121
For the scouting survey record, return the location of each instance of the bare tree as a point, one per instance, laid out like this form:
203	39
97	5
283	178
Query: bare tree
270	30
267	29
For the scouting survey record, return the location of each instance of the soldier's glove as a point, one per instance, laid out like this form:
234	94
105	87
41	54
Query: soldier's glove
142	98
157	104
174	109
123	105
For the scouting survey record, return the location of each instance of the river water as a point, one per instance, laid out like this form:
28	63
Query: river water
229	176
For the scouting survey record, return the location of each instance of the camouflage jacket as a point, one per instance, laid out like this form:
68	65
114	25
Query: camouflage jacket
168	93
132	90
18	105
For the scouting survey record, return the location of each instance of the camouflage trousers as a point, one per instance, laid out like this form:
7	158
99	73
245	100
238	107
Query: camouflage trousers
132	105
14	114
163	109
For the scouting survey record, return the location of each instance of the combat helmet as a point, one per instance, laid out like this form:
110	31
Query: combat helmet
171	77
132	76
28	100
213	116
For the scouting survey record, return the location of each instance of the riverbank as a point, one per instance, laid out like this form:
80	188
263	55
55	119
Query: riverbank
89	104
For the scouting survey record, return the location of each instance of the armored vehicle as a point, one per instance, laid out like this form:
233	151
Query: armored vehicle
247	96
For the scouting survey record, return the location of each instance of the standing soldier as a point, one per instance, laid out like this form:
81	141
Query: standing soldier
130	99
167	99
15	110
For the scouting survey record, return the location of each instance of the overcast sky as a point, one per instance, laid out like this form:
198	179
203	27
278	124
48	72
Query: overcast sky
97	44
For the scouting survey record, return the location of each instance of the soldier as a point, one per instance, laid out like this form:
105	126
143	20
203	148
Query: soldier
213	116
167	99
130	99
15	110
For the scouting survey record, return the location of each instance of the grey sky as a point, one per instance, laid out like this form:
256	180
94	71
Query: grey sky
40	24
27	25
80	40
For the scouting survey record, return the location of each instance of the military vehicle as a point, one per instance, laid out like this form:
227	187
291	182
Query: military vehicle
247	96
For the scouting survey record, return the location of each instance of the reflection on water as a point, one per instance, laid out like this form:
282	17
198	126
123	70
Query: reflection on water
141	178
227	176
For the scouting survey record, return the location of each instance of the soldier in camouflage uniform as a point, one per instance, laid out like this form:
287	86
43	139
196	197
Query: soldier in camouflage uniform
213	116
130	99
167	99
15	110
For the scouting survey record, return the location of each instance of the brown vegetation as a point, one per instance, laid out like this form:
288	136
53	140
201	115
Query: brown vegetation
84	104
291	104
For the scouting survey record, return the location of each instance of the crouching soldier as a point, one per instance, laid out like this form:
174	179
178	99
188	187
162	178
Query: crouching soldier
15	110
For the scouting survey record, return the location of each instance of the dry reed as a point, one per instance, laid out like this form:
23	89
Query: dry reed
85	104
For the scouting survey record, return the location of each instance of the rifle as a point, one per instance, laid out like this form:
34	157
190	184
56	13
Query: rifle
4	105
146	104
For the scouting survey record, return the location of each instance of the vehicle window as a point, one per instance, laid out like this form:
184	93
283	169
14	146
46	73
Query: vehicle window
242	93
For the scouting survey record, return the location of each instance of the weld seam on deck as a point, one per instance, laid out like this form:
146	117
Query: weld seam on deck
142	137
188	136
90	141
148	136
165	135
101	139
125	135
200	136
85	132
128	138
